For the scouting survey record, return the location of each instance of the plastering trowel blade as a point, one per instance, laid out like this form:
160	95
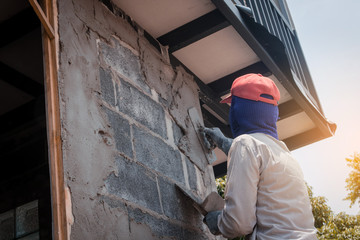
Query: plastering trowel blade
196	122
213	202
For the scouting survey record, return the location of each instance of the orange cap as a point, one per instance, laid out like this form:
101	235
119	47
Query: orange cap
253	87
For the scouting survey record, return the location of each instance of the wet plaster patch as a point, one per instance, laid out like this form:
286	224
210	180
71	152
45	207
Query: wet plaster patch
156	154
134	183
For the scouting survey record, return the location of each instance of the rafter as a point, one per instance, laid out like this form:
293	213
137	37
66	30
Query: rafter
194	31
20	81
19	25
222	86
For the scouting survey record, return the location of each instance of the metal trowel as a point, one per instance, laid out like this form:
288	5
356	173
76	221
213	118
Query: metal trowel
198	126
213	202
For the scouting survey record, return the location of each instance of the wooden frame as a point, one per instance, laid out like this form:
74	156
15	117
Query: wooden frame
48	19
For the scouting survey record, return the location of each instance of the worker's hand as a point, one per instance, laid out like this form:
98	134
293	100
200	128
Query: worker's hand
211	220
214	137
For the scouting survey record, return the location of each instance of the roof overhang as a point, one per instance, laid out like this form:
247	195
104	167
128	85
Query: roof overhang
216	42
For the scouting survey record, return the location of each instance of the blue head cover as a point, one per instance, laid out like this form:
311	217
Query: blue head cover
248	116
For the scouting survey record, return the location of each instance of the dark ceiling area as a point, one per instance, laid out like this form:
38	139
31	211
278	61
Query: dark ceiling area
24	171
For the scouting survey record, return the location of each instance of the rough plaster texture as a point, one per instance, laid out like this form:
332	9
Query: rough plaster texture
127	137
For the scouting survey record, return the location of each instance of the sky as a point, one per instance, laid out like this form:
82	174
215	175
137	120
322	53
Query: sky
329	34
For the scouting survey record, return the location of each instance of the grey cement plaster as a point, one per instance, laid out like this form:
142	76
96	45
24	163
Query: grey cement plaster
101	163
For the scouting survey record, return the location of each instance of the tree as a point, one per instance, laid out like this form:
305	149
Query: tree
353	181
220	184
320	209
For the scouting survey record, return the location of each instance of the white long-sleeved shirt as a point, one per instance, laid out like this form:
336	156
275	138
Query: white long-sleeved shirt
265	194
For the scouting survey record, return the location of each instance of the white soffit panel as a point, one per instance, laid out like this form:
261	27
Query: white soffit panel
284	95
217	55
158	17
294	125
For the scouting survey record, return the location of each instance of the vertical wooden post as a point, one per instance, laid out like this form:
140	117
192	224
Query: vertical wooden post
48	16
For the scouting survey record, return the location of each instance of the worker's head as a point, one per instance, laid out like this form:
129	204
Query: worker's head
254	99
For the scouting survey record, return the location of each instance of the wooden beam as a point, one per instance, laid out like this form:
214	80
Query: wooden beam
222	86
211	121
22	115
20	81
194	31
288	109
60	230
17	26
304	139
43	19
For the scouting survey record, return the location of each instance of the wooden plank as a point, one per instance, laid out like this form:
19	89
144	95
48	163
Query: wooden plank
20	81
222	86
60	230
43	19
193	31
18	26
288	109
304	139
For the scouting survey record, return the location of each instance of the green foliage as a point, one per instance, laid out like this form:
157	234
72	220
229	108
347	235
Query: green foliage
333	226
341	226
353	181
220	184
320	209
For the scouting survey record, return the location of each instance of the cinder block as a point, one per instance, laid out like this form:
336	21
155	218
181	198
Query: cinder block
142	108
7	225
121	128
107	86
160	228
177	133
156	154
176	205
191	173
27	218
134	183
124	61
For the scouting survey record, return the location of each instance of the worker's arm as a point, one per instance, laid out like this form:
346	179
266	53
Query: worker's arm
238	217
214	136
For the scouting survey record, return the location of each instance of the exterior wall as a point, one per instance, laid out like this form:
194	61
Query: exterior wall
127	137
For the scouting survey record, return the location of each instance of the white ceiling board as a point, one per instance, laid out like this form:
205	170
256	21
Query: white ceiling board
284	95
294	125
158	17
217	55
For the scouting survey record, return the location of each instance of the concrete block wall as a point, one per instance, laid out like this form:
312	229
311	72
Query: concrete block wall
127	137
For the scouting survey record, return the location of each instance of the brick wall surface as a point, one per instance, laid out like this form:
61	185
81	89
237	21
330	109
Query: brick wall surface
127	136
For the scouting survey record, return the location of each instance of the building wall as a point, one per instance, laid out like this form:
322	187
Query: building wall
127	136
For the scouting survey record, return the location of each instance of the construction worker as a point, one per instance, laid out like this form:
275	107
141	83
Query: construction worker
265	195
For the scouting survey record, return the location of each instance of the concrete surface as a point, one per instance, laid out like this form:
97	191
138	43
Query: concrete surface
127	137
